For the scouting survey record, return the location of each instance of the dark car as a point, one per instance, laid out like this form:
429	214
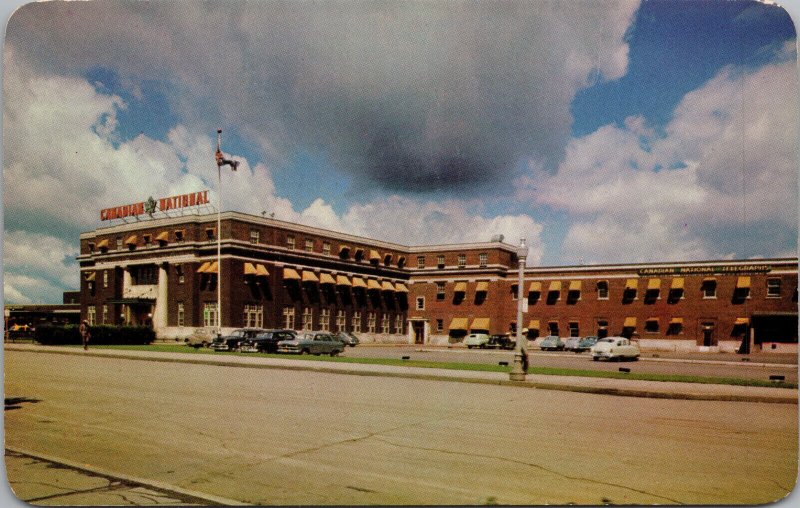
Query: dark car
502	342
348	338
267	341
586	343
235	340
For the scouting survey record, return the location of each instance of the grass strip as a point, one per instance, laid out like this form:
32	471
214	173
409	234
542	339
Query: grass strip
482	367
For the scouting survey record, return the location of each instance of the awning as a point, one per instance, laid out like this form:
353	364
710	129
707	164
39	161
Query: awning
630	322
344	250
374	256
400	288
480	323
632	284
213	268
676	321
743	283
309	276
461	287
326	278
358	282
290	274
342	280
102	244
131	240
482	286
91	276
575	285
261	271
709	280
535	287
652	319
653	284
459	323
533	324
741	321
163	236
204	267
249	269
677	283
373	284
555	285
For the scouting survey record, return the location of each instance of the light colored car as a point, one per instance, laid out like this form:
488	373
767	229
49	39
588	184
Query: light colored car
476	340
615	348
348	338
551	343
315	343
201	337
571	344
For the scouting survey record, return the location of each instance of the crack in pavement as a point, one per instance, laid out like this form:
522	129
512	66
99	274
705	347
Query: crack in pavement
529	464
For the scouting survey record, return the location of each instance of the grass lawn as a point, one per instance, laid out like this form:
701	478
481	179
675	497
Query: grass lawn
552	371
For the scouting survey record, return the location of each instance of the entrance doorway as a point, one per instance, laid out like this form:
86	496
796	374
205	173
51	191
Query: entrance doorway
418	328
707	331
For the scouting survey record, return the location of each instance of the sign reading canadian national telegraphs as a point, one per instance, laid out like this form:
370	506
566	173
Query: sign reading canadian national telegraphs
701	270
151	205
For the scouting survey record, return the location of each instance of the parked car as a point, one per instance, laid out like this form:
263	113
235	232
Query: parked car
348	338
571	344
316	343
267	341
615	348
502	342
476	340
201	337
235	340
586	343
551	343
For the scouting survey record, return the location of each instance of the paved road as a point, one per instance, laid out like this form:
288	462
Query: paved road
710	365
284	437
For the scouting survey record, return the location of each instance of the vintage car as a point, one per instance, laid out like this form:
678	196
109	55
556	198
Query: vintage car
235	340
502	342
201	337
615	348
348	338
551	343
586	343
267	341
315	343
571	344
480	340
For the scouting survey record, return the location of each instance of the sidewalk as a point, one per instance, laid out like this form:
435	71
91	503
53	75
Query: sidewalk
619	387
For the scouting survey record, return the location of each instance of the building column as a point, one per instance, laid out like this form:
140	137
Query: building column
161	311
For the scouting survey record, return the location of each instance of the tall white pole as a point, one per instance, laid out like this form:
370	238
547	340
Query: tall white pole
518	371
219	239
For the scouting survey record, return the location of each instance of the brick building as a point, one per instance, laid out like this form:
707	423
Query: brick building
163	272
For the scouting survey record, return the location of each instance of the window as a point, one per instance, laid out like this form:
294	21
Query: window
181	314
356	321
255	236
651	326
288	317
119	243
602	290
254	316
326	248
341	321
145	275
420	303
309	245
440	290
440	261
179	235
91	248
91	315
773	288
385	323
371	319
440	325
602	328
573	329
483	259
514	290
210	234
709	288
420	262
105	278
308	318
324	319
147	240
179	273
462	260
290	242
105	314
210	314
398	324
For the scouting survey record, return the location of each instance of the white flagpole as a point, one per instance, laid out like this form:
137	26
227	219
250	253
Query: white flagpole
219	236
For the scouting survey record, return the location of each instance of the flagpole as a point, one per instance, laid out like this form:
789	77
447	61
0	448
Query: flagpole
219	238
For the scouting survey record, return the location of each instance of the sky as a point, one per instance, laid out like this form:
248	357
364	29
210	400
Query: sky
602	132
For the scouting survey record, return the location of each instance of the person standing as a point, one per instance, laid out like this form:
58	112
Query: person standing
85	335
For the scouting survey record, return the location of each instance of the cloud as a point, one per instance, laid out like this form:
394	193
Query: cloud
37	268
708	185
405	96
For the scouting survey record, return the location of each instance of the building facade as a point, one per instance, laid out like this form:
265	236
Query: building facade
164	272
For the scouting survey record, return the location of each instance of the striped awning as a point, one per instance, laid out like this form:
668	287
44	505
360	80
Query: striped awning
461	287
459	323
653	284
555	285
212	268
91	276
630	322
743	283
309	276
677	283
535	287
163	236
632	284
326	278
358	282
400	288
290	274
482	287
102	244
387	286
249	269
533	324
204	267
575	285
261	271
374	256
373	284
342	280
480	323
131	240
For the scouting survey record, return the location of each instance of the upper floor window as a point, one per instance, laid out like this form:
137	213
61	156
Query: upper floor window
709	288
105	278
255	236
420	261
147	240
145	275
309	245
179	273
440	261
290	242
462	260
440	290
420	303
210	233
602	290
119	243
773	288
483	259
179	235
326	248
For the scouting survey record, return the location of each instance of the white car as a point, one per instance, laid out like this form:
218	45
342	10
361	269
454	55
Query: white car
476	340
615	348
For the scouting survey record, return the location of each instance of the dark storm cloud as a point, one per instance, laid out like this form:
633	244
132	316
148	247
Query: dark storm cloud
409	96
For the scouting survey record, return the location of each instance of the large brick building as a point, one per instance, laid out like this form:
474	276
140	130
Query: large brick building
163	272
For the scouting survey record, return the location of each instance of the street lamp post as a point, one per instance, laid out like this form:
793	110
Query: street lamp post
518	371
219	238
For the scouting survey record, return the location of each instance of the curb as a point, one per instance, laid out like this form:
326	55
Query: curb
209	499
620	392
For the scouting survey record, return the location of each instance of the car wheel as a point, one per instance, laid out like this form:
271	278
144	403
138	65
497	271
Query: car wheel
334	352
595	358
304	351
469	347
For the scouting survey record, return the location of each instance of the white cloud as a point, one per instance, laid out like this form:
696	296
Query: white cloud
37	268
